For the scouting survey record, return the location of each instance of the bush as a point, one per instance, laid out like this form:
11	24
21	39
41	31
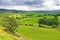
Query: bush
49	22
10	24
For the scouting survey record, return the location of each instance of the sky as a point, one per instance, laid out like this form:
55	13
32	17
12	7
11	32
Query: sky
30	5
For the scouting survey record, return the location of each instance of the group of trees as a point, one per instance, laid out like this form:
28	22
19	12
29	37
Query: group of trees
50	22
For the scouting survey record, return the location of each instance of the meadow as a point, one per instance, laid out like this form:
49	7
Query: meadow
29	27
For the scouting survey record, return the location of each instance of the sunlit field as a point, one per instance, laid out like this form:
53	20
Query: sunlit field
31	25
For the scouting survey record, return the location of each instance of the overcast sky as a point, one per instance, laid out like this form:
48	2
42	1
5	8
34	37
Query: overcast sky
30	4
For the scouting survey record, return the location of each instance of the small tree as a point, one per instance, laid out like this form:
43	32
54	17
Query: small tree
10	24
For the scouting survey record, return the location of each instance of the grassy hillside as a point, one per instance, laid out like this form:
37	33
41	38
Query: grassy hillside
29	27
5	36
36	33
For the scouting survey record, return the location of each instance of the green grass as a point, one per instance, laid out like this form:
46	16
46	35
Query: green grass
4	36
31	32
32	20
36	33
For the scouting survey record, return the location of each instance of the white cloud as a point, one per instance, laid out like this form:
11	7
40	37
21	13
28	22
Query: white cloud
59	2
47	5
28	8
9	2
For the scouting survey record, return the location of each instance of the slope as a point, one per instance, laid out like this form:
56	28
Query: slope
36	33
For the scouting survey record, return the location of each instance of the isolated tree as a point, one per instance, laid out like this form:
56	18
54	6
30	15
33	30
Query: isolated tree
10	24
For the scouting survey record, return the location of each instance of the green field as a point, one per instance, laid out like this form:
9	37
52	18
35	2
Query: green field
36	33
29	26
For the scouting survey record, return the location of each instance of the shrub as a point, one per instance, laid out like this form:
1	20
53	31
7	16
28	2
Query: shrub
50	22
10	24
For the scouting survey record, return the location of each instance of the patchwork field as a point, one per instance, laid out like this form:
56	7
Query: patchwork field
29	28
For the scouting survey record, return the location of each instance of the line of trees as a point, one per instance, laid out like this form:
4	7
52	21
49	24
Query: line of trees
50	22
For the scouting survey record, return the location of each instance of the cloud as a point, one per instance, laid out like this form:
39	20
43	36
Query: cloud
30	4
28	8
19	2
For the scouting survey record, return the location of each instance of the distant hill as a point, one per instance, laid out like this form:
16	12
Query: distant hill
23	10
18	11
